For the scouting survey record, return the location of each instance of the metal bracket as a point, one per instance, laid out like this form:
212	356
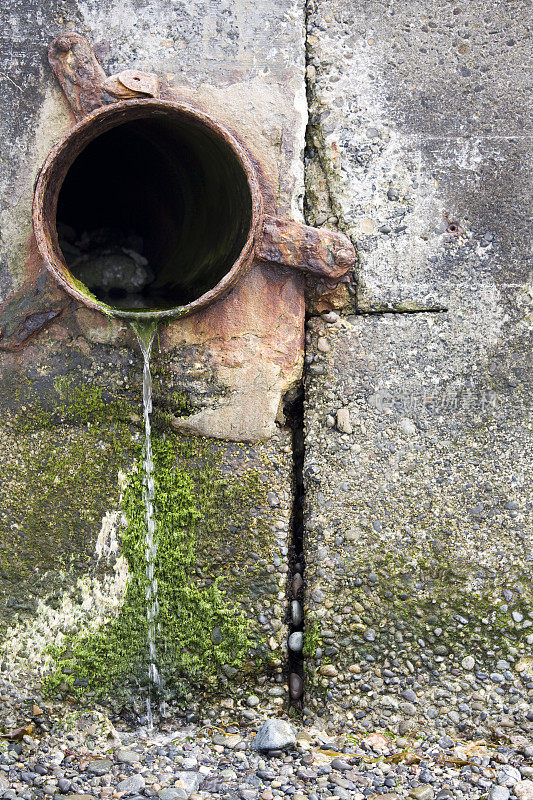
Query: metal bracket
84	82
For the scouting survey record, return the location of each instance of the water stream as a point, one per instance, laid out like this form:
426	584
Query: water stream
145	334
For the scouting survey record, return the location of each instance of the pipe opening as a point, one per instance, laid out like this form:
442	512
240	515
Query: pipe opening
153	211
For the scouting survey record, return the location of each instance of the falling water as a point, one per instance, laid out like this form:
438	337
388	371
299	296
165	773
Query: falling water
145	334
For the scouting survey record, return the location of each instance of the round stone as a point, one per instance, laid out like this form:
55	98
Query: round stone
468	663
296	642
252	700
296	686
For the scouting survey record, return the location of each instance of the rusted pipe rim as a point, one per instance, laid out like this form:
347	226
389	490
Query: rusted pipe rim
63	155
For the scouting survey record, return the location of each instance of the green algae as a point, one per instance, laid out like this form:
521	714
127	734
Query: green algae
423	603
199	631
312	638
74	404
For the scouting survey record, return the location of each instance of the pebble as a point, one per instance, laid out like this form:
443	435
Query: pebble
132	785
422	793
468	663
100	767
124	756
80	797
205	761
445	742
171	794
343	421
296	641
296	613
329	671
499	793
297	583
524	790
508	776
252	700
190	781
296	686
408	427
274	734
340	764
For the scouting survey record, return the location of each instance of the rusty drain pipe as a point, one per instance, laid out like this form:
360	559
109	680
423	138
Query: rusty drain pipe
101	105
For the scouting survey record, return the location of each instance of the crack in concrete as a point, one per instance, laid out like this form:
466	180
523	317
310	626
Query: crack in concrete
294	414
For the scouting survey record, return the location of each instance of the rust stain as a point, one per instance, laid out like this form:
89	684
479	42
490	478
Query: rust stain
29	311
262	317
453	227
77	69
320	252
61	158
132	83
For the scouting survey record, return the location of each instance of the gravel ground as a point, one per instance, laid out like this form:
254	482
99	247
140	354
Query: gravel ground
68	753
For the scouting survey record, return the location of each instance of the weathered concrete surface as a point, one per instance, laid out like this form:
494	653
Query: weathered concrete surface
412	119
246	67
417	538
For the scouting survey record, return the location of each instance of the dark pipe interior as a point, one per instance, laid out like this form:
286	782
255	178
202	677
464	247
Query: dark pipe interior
154	212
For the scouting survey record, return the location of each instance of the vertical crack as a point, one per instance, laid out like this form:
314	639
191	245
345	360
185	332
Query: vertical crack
294	414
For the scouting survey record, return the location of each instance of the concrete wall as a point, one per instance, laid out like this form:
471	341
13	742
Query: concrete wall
418	509
416	463
71	393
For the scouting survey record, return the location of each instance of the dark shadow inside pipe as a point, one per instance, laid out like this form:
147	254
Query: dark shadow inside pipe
154	212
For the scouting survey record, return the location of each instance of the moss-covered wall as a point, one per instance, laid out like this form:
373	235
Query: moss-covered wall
419	602
71	425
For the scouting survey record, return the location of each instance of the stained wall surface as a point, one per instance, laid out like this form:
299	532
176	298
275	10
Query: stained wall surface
71	381
418	607
418	515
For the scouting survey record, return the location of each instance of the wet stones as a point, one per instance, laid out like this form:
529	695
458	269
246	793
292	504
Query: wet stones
296	686
296	642
297	616
296	584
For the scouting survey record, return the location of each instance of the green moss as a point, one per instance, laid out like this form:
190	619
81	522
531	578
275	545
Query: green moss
180	404
198	631
430	591
312	640
58	486
75	404
62	452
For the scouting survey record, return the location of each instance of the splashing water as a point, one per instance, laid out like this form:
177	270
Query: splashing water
145	334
